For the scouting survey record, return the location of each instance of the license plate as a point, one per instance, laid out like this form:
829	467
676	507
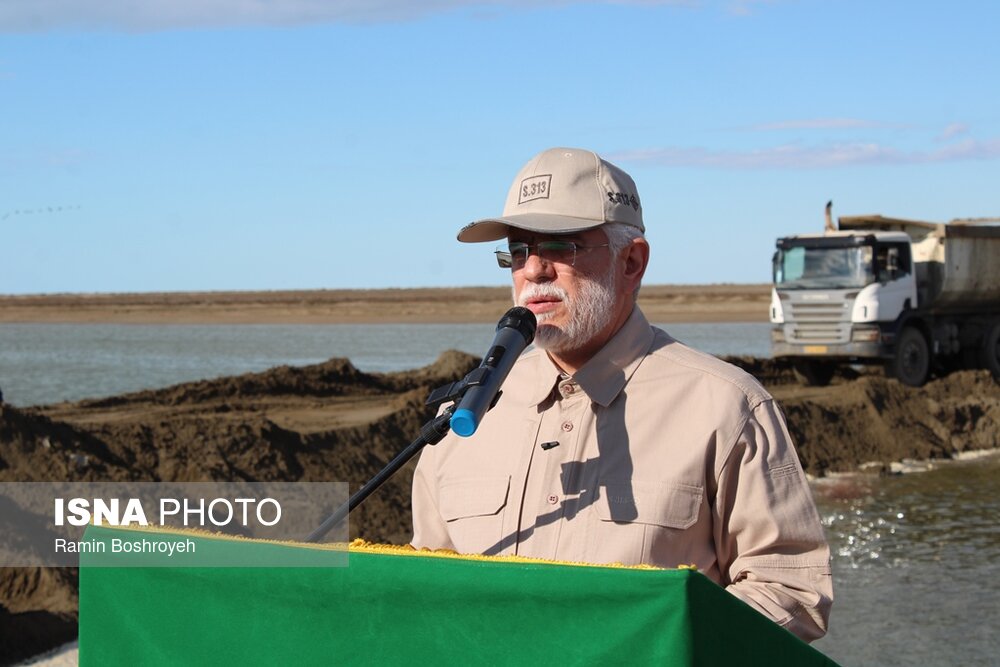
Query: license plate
816	349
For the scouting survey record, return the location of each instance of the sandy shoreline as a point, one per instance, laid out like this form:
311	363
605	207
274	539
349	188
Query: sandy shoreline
660	303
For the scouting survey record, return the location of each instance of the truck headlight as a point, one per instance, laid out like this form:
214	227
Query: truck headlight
865	335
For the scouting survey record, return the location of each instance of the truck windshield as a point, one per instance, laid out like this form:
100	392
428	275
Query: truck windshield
829	267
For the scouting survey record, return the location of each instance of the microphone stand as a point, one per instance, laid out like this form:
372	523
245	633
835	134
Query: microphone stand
431	433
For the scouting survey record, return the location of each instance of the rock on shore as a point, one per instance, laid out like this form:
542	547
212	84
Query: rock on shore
331	422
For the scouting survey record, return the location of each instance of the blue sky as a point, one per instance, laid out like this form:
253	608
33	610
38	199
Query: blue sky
238	144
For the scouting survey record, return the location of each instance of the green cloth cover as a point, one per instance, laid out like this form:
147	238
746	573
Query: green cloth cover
389	608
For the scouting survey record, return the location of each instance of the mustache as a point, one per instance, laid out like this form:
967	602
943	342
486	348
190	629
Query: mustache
541	290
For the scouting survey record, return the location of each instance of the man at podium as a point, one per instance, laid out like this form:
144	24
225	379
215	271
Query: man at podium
612	442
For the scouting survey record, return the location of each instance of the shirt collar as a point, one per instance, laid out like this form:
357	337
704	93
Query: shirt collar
606	374
546	375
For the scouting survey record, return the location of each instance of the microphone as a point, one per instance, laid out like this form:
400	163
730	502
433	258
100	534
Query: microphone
515	331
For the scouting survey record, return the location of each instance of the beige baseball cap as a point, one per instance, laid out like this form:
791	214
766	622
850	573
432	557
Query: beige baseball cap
559	191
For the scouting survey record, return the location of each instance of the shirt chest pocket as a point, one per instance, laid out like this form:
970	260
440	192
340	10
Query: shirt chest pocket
474	510
645	522
670	505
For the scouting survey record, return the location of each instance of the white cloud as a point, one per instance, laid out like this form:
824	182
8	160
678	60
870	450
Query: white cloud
796	156
952	131
146	15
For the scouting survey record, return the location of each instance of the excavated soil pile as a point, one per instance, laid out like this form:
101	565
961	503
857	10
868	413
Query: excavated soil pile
327	422
331	422
864	418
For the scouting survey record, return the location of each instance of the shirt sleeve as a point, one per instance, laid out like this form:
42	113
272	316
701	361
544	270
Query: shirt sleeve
429	529
770	542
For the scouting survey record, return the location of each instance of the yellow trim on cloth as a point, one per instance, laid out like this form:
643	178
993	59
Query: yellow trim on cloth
360	545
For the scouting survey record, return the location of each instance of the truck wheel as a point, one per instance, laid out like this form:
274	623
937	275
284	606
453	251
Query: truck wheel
813	373
912	363
991	350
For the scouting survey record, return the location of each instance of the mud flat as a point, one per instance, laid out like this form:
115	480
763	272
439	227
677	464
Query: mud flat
661	303
331	422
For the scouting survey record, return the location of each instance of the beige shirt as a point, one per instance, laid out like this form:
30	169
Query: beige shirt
652	453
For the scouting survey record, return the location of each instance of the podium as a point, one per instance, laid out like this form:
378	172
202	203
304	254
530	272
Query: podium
394	605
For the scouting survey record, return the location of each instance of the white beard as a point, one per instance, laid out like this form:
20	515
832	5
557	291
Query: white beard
589	313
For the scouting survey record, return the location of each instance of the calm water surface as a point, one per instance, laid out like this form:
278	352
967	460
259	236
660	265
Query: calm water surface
916	557
46	363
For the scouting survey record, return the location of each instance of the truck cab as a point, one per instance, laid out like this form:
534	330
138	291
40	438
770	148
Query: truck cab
837	294
910	295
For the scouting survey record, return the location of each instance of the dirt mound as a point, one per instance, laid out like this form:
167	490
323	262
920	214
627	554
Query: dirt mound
862	417
38	610
875	419
779	372
332	422
28	633
326	422
335	377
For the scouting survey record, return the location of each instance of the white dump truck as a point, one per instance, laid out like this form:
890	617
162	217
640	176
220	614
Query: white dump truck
916	297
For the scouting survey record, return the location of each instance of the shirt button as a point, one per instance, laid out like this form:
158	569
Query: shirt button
567	389
567	426
553	500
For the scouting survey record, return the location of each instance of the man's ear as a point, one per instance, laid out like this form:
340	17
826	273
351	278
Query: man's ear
636	258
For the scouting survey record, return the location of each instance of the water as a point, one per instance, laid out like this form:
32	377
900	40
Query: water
916	558
46	363
916	566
